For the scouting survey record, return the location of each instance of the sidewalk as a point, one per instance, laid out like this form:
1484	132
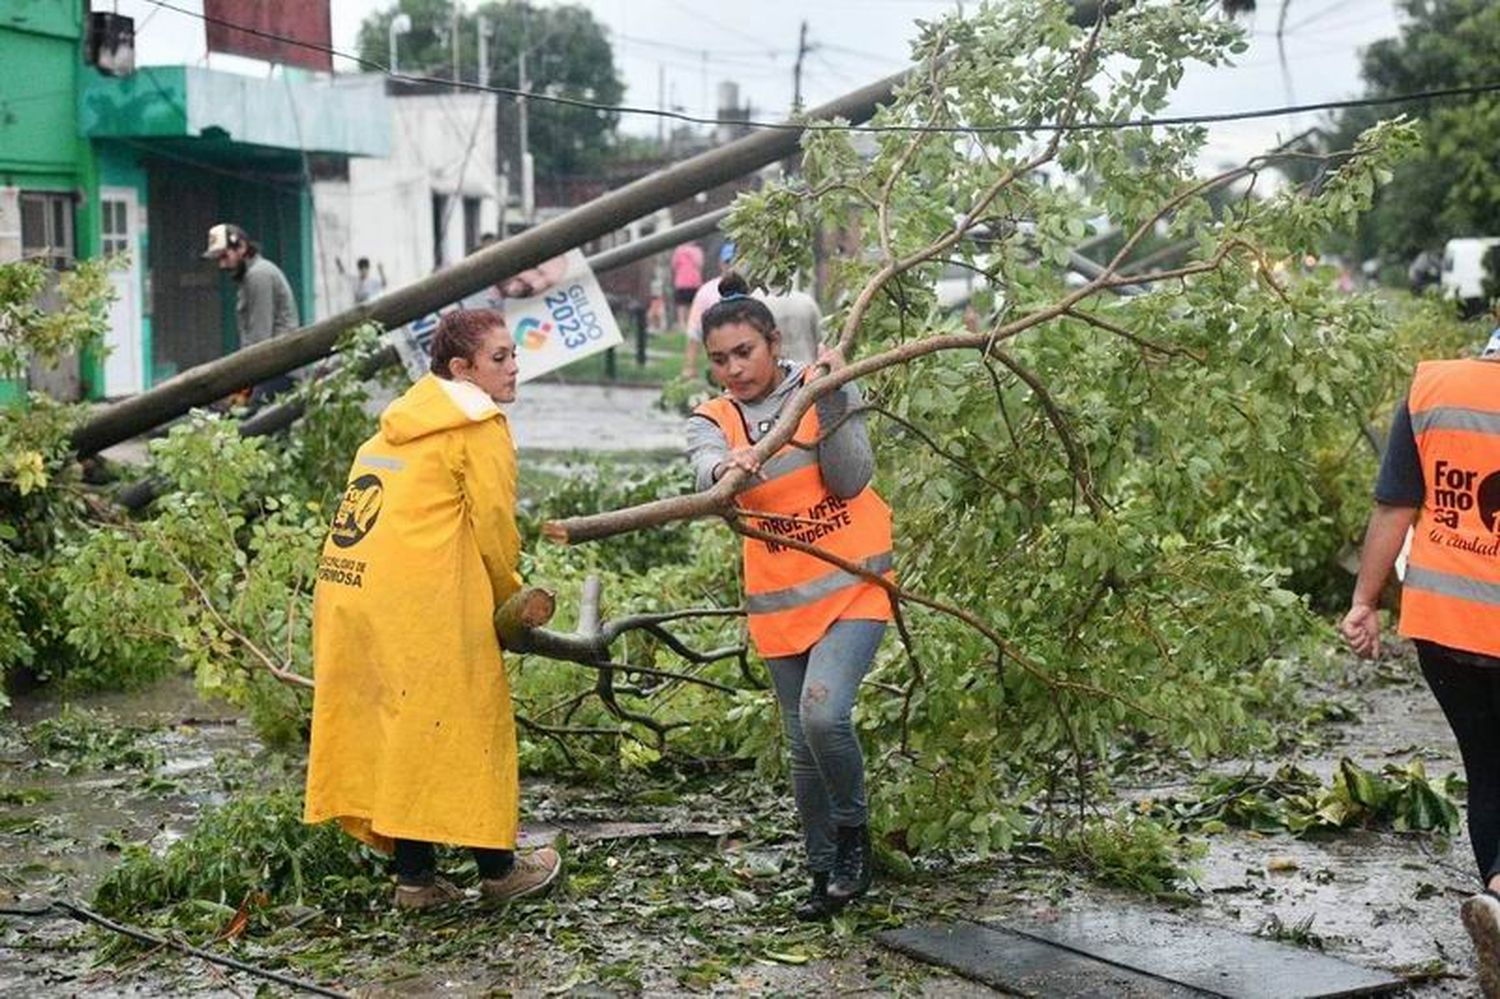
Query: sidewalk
553	417
547	416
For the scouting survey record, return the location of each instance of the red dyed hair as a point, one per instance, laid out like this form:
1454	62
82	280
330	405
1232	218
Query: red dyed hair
459	334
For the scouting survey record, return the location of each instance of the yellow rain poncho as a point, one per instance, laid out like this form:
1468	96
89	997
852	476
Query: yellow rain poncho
413	735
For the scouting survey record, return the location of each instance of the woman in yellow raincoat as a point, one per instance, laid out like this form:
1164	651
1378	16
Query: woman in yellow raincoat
413	735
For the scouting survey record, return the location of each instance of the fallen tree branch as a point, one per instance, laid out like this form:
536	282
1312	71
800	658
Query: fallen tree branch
519	624
899	593
1099	322
1077	458
86	915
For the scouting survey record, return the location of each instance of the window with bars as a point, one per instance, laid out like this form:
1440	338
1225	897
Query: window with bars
114	227
47	228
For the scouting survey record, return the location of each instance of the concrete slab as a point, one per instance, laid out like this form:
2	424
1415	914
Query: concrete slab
1218	961
1020	965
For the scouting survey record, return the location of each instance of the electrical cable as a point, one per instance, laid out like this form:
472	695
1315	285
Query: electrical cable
817	126
838	73
697	13
751	56
885	60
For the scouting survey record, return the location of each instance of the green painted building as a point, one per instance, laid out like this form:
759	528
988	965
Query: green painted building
143	165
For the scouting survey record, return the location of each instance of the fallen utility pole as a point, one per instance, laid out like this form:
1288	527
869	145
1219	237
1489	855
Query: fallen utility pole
203	384
273	419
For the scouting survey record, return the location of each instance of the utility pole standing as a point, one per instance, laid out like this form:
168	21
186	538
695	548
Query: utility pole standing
482	71
661	105
457	13
802	50
528	177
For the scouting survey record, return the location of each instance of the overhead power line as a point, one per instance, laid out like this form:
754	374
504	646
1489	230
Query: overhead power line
735	55
1442	93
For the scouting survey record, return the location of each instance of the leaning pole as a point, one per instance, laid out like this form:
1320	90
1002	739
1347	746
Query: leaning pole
274	419
203	384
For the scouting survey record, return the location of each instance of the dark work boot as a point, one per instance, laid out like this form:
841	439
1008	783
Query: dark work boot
851	864
818	906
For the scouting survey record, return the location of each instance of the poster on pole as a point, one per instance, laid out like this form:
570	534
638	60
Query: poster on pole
565	320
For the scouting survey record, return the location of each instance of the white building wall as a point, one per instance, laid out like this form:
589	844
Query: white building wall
440	144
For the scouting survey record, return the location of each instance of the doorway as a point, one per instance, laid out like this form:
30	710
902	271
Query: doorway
124	364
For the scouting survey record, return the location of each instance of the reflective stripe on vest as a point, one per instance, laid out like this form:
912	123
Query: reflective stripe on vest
1449	585
1475	421
792	596
815	589
786	461
1451	593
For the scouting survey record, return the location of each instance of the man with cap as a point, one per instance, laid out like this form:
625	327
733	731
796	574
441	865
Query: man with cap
265	306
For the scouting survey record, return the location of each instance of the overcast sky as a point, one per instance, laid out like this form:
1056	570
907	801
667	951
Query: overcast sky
691	46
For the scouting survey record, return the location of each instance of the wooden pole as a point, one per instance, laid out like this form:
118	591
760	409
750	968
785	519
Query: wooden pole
205	383
275	418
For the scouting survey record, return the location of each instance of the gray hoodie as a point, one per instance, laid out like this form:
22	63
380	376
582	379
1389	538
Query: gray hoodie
844	457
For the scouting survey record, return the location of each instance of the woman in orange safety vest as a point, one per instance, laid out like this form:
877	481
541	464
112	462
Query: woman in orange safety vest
817	625
1441	477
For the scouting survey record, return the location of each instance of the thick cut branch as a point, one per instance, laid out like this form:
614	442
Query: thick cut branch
518	623
524	611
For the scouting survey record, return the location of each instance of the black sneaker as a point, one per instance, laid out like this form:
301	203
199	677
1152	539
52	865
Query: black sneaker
851	864
818	906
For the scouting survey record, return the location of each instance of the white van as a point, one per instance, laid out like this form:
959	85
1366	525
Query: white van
1463	269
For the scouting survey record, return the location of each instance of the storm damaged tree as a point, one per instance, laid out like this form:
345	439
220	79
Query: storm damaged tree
1110	508
1100	500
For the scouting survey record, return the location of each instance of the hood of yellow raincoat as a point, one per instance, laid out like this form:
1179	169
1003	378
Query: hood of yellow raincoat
433	405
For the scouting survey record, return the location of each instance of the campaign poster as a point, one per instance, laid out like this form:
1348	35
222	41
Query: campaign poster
565	319
563	323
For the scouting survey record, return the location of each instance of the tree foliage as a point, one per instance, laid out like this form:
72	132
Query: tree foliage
1451	186
1111	509
567	53
1101	502
40	499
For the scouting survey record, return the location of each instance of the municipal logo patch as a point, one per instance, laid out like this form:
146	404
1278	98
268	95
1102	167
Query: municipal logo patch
358	511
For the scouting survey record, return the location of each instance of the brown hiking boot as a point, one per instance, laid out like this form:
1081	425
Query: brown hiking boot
1481	916
418	897
532	874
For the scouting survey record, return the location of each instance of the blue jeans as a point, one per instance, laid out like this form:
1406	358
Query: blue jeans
816	691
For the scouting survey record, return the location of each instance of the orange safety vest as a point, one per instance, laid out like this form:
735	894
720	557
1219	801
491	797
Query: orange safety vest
1451	594
792	598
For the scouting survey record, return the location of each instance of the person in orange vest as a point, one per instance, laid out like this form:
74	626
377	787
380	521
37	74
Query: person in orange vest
816	624
1441	477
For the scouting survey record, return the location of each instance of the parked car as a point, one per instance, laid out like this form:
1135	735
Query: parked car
1463	272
